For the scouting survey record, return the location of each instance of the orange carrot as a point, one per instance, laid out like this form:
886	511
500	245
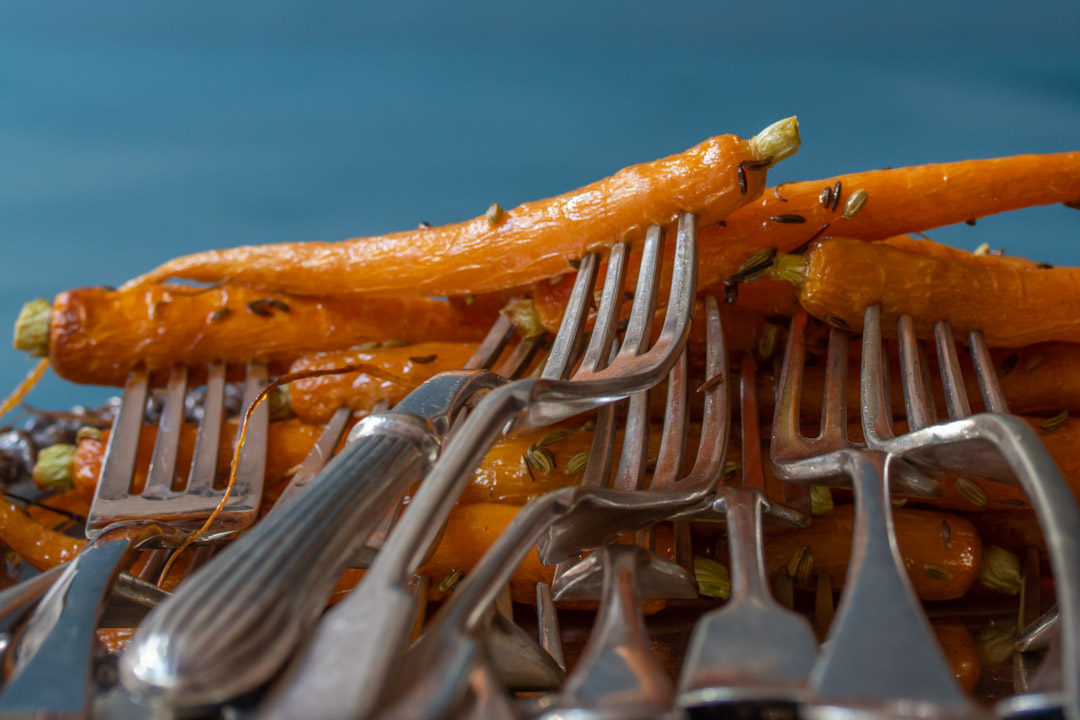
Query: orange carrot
288	443
315	399
96	335
509	248
470	531
898	200
942	564
41	547
1013	306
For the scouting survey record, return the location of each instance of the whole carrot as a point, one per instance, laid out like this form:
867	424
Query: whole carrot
316	399
507	248
96	335
879	204
1013	306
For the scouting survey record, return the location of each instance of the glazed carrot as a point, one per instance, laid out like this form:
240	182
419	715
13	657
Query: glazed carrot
315	399
288	443
839	277
897	200
1035	379
70	501
96	335
961	652
514	247
941	550
470	531
39	546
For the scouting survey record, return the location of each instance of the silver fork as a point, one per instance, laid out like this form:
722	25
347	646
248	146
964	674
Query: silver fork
234	624
879	620
58	641
435	669
752	651
992	444
357	647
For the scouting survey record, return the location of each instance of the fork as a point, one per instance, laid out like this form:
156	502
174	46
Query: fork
234	624
58	640
992	444
879	618
435	670
752	651
357	647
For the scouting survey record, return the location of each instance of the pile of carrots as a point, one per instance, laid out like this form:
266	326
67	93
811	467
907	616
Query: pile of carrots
415	303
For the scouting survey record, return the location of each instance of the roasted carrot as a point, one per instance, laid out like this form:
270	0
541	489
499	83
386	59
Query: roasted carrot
508	248
941	550
57	510
287	444
39	546
1035	379
96	335
960	650
315	399
839	278
470	531
897	200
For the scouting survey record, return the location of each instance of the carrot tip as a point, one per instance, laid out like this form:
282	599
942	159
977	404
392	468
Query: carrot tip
778	141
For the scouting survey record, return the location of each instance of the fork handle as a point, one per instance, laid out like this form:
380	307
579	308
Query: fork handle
53	651
235	622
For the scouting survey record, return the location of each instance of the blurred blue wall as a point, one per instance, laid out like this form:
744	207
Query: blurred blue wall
132	132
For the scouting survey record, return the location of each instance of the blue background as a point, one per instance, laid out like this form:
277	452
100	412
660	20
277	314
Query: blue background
131	132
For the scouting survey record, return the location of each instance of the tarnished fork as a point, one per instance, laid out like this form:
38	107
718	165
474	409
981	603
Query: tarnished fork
751	653
435	670
53	655
994	445
881	655
357	648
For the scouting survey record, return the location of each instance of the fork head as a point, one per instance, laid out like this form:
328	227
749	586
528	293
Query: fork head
640	361
599	516
788	442
161	500
978	458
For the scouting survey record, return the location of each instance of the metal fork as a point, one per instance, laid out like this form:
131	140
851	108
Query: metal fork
992	444
58	640
434	671
879	620
234	624
358	645
751	651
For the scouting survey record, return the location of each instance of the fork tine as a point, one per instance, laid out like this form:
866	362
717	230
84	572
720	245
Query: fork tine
492	344
669	459
205	456
118	467
572	327
162	473
874	373
637	338
680	302
993	397
635	447
597	355
834	404
917	395
952	380
251	465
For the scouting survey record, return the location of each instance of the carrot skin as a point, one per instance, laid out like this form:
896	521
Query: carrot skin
899	200
502	248
1013	306
316	399
98	335
920	539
